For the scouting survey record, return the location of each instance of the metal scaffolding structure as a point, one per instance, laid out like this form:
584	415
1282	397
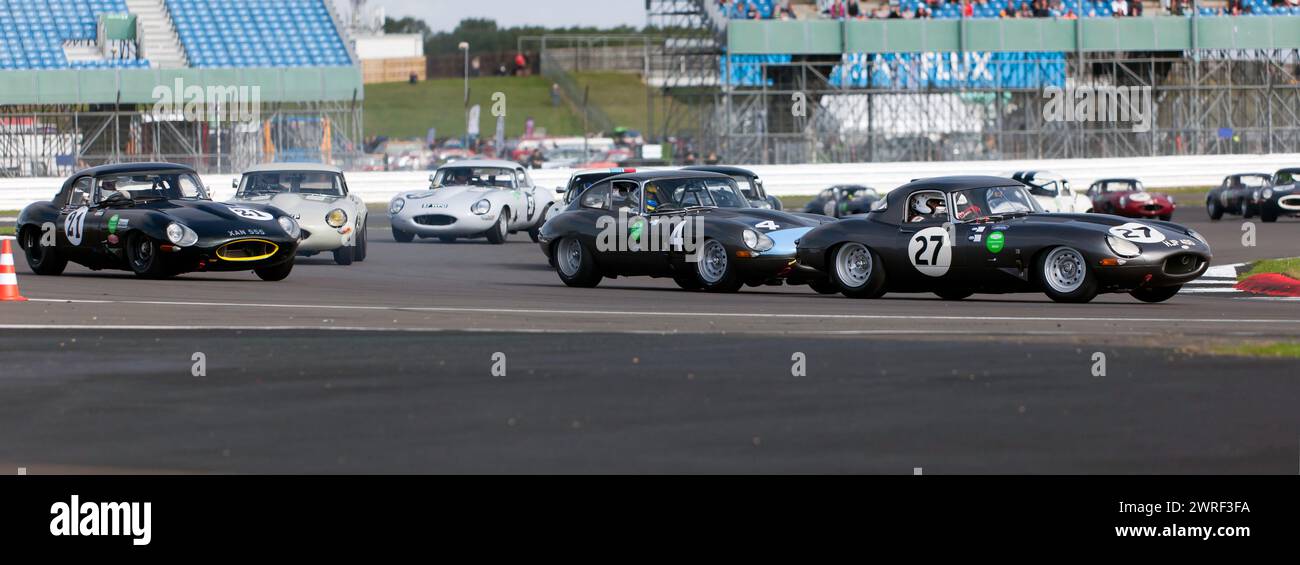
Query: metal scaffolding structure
57	140
687	62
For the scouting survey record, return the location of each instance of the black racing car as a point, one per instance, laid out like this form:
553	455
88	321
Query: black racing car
695	227
1280	198
1234	195
155	219
843	200
748	182
997	240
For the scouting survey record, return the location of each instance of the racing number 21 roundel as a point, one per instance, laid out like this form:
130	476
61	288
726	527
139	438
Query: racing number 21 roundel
930	251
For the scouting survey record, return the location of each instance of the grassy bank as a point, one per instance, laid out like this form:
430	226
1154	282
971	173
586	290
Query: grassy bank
1289	267
1271	350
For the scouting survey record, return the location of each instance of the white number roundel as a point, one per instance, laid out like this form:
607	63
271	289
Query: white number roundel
251	214
75	226
930	251
1139	233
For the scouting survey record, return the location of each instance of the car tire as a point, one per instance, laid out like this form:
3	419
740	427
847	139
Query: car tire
1267	214
1156	294
687	281
857	271
144	256
1213	209
824	286
276	273
402	237
359	254
575	263
715	270
45	261
535	234
1167	217
344	255
1066	276
1246	212
499	231
953	294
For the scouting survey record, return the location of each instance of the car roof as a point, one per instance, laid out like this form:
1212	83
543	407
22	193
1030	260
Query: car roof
1252	174
499	163
1289	170
723	169
669	174
1117	179
960	182
1034	175
284	167
133	168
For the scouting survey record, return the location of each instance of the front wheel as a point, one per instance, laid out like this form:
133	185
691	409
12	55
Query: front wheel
1213	209
344	255
715	270
1167	217
43	260
1156	294
575	264
142	253
1066	276
1246	212
276	273
359	254
499	231
402	237
858	271
1267	214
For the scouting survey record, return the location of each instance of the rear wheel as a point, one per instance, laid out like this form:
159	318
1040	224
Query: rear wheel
1213	209
402	237
1156	294
499	231
858	272
715	270
42	260
143	255
1066	276
575	264
276	273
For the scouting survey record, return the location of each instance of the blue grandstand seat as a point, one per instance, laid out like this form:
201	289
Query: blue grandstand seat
34	31
243	33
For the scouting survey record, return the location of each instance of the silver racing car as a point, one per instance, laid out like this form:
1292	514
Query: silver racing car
473	198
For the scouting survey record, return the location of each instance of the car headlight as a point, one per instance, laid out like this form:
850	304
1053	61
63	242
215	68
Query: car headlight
289	225
337	218
756	241
1268	193
396	205
181	235
1123	247
1123	201
1196	234
481	207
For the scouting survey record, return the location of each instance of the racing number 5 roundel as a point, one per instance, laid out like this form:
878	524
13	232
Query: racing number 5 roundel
930	251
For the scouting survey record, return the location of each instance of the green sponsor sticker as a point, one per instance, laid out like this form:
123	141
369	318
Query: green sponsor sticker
112	224
995	242
634	231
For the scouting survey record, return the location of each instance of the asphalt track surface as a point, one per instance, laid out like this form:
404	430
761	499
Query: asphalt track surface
386	367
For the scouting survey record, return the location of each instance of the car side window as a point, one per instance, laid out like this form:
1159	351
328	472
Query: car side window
596	197
926	206
80	193
521	179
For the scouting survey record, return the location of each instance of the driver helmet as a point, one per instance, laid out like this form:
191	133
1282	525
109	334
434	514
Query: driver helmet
651	197
928	206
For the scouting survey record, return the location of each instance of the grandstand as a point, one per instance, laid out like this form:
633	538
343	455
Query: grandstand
80	80
882	88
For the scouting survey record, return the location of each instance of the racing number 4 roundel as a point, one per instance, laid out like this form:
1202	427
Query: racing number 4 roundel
930	251
1138	233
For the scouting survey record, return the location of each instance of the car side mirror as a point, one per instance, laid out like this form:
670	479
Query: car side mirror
234	183
559	190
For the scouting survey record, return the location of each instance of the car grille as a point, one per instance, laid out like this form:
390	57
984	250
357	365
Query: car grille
435	220
1290	202
247	250
1183	264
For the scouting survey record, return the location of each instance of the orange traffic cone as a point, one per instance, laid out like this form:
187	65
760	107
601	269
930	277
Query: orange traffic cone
8	279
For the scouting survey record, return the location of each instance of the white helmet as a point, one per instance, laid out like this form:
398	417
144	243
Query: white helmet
928	205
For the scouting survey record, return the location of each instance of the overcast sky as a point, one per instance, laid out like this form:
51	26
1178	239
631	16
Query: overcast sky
443	15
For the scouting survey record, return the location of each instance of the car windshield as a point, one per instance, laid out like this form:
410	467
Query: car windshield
292	182
747	187
859	191
1253	181
169	185
688	192
1121	186
581	182
995	201
1286	177
499	177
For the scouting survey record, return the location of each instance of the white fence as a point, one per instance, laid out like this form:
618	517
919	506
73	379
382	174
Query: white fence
786	180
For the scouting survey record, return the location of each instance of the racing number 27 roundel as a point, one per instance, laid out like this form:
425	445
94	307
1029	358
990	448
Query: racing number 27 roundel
930	251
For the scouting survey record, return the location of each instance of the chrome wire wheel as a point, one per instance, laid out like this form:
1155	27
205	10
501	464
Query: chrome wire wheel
712	265
853	265
570	257
1064	270
143	257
